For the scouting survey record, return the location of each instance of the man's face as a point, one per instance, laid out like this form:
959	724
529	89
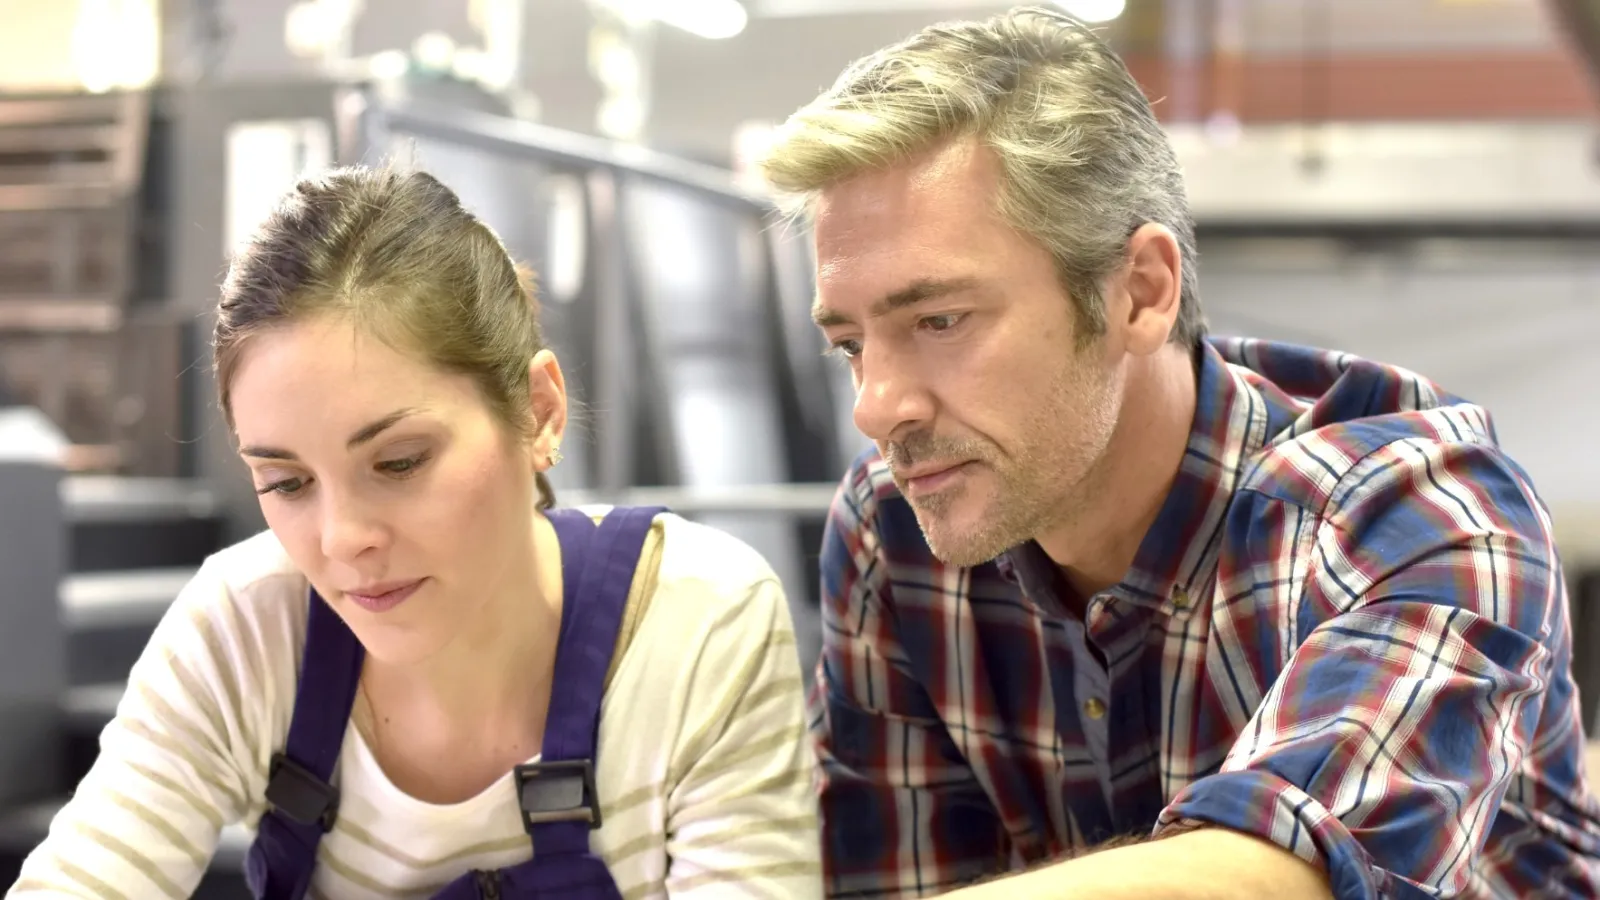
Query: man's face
964	349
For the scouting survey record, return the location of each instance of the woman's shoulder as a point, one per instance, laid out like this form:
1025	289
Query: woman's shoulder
710	580
221	669
709	560
247	598
254	574
712	598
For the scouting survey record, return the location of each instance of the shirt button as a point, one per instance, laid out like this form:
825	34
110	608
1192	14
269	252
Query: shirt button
1094	708
1180	598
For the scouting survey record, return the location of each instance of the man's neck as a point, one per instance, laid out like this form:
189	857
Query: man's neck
1130	483
497	670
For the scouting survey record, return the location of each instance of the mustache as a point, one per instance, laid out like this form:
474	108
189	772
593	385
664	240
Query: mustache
923	446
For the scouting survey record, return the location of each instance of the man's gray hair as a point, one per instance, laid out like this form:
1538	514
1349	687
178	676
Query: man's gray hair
1083	161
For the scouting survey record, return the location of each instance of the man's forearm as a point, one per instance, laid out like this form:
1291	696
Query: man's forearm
1205	864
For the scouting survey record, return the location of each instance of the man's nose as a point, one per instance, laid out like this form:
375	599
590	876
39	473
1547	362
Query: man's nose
891	398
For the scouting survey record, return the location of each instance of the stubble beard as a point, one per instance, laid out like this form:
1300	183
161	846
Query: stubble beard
1044	482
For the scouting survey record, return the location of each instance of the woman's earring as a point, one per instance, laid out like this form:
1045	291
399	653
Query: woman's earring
555	457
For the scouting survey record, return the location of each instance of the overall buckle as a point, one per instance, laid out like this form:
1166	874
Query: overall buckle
559	791
295	791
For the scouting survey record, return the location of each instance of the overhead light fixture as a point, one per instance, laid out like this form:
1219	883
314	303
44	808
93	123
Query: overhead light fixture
1093	11
116	44
711	19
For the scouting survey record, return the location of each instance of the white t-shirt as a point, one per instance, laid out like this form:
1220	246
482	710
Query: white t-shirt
704	775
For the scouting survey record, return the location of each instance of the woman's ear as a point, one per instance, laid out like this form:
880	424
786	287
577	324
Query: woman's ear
547	400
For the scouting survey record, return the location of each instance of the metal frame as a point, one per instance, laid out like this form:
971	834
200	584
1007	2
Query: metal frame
370	129
615	365
33	659
513	137
802	501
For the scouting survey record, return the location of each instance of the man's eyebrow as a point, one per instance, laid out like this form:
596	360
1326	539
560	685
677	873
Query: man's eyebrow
910	295
362	435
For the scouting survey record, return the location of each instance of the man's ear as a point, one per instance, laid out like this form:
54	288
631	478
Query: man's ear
1153	284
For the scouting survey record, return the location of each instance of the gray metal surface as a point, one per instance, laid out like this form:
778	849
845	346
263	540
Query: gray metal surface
33	665
802	501
104	498
88	707
700	274
120	599
519	138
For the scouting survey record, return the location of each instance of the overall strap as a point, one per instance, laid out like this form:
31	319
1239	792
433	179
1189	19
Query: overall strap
303	803
557	793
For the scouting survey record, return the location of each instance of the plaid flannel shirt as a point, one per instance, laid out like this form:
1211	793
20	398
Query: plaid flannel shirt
1346	633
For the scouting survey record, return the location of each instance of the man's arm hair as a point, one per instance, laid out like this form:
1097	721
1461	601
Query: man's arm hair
1115	843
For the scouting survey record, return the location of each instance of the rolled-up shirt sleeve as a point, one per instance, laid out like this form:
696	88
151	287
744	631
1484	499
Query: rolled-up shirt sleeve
1413	675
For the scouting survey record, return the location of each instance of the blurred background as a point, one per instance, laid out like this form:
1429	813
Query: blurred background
1416	181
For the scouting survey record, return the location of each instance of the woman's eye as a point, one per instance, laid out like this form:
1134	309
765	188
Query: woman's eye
287	487
405	466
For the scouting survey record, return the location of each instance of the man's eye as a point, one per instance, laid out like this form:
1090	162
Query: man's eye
848	348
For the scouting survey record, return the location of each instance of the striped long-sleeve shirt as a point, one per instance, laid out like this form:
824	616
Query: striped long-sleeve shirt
704	777
1347	633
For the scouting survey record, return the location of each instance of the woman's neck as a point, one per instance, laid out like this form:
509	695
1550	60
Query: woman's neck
494	677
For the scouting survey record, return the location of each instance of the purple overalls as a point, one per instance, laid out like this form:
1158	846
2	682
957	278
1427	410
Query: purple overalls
557	794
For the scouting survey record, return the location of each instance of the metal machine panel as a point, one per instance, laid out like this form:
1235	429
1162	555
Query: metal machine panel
707	339
33	665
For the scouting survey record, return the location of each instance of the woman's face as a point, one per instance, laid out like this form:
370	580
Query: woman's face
390	483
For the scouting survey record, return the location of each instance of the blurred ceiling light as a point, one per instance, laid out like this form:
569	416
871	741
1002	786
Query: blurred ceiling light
306	29
710	19
472	65
388	65
621	118
434	51
1093	11
116	44
318	28
613	62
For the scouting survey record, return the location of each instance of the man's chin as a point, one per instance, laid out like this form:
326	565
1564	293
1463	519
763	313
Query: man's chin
956	541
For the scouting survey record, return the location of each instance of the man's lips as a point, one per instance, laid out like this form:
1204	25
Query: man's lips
932	477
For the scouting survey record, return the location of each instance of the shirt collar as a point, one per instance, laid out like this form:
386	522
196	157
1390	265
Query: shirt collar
1177	558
